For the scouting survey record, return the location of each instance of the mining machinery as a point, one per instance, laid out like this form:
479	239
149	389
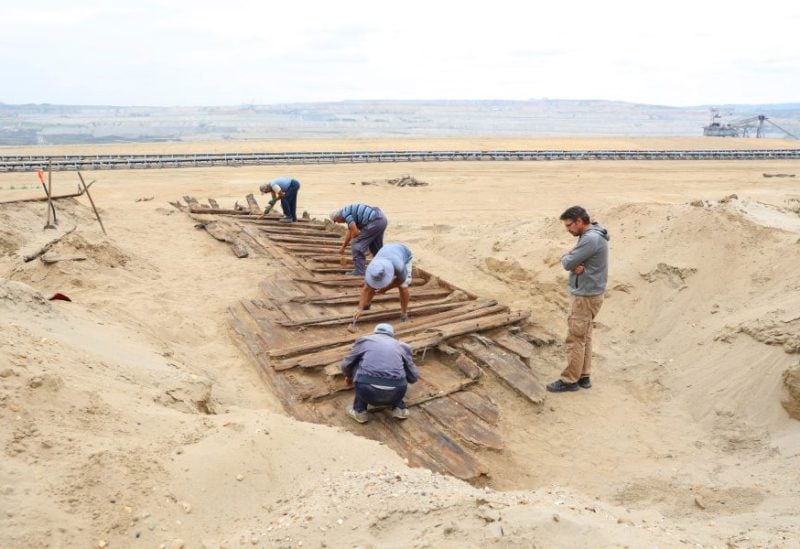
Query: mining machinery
741	128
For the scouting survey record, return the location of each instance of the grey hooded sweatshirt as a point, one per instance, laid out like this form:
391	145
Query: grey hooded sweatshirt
591	251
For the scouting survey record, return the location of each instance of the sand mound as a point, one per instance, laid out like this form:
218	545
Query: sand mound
22	299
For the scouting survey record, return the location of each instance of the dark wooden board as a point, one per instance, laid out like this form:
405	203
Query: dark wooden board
462	422
509	367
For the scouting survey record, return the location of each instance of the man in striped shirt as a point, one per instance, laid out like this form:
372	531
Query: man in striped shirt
365	228
285	189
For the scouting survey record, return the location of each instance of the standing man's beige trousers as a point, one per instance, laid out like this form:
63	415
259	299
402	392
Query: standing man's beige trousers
579	337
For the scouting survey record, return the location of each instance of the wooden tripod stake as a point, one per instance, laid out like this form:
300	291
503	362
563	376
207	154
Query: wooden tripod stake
86	189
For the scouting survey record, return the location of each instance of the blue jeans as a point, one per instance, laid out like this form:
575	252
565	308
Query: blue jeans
367	394
289	200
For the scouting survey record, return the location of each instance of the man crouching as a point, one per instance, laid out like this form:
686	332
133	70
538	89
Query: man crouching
382	367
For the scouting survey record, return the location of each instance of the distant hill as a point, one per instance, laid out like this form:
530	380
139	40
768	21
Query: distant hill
63	124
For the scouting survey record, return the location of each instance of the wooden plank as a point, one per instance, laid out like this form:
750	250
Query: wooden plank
516	345
398	440
441	447
480	404
219	230
467	366
263	318
279	385
239	249
463	423
509	368
255	209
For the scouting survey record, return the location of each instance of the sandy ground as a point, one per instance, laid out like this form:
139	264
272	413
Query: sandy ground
130	418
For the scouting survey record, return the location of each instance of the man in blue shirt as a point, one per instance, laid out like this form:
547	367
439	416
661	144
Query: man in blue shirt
390	268
365	228
382	367
285	189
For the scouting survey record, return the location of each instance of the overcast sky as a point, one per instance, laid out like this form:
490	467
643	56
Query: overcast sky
230	52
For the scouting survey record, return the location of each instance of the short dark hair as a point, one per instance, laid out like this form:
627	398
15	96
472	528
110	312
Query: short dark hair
574	213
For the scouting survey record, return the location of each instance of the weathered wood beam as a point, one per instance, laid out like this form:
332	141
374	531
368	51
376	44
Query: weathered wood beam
253	204
455	311
479	404
418	341
462	422
509	368
279	384
345	298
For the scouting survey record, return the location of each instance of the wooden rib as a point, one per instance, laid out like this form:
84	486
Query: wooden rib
298	239
250	219
324	258
463	423
480	404
348	281
439	392
340	269
459	313
509	368
333	320
305	231
346	298
197	208
213	203
418	341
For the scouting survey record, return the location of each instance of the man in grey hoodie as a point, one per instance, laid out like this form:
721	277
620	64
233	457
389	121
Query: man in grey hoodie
382	367
587	263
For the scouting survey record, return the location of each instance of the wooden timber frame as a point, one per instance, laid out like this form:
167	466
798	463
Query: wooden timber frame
472	353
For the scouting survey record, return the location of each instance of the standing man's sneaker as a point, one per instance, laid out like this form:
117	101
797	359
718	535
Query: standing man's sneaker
559	386
400	413
585	382
287	220
361	417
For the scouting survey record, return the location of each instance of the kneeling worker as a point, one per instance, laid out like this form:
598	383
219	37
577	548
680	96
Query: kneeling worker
382	367
390	268
285	189
365	228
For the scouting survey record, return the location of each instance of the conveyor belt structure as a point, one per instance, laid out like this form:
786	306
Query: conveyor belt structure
24	163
